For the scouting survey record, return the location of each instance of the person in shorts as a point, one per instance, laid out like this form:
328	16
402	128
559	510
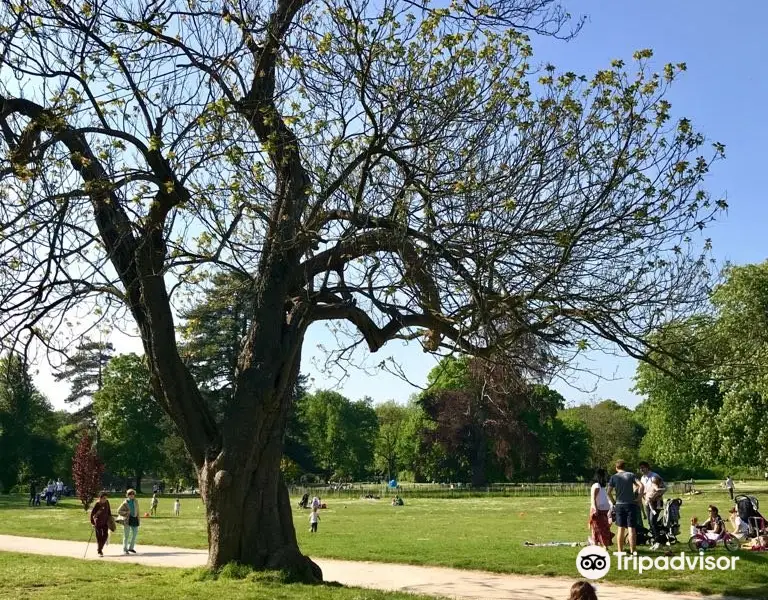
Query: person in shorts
623	489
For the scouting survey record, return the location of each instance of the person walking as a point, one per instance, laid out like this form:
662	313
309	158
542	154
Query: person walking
153	505
729	485
59	488
653	501
101	515
129	512
599	507
48	493
623	486
32	493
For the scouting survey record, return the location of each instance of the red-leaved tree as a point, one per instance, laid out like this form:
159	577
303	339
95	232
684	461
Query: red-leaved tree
87	469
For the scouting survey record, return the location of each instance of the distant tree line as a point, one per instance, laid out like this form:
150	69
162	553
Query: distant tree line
704	409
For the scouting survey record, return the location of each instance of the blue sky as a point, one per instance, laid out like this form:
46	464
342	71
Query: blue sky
724	93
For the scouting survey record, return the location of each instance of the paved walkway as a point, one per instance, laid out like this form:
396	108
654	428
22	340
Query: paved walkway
436	581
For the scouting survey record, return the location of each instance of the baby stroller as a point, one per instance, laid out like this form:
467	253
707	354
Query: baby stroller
643	534
747	507
304	502
669	524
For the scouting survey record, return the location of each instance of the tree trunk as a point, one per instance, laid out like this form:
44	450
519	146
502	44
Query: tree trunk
248	510
249	515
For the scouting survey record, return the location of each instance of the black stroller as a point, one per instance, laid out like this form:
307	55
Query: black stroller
304	502
747	507
670	521
668	529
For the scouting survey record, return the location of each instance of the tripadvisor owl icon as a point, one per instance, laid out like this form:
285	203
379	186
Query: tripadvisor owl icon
593	562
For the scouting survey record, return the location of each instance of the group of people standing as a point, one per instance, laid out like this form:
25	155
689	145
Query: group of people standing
628	496
52	492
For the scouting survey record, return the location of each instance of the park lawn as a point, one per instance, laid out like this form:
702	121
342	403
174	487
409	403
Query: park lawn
473	533
25	576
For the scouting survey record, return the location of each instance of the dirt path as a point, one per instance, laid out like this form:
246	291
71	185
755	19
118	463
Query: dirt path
436	581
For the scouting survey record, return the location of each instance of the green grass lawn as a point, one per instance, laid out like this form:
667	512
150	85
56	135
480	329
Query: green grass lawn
471	533
24	576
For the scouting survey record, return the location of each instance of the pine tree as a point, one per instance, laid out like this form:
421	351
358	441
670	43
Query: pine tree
84	371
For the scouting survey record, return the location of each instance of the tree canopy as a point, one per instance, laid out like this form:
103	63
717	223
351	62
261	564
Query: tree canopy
28	444
710	407
392	166
132	424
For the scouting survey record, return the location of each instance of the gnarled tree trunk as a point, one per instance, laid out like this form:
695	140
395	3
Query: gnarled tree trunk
248	510
249	515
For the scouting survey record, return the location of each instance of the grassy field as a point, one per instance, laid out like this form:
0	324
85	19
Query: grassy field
472	533
24	576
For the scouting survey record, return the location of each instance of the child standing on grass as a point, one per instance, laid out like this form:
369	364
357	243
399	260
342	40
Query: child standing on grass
153	506
313	519
177	507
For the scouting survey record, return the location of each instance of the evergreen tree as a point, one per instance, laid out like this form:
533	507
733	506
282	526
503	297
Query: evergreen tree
84	371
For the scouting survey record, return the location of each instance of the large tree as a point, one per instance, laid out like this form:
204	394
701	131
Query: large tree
132	424
614	431
341	433
85	370
489	420
28	444
682	398
389	440
387	165
741	351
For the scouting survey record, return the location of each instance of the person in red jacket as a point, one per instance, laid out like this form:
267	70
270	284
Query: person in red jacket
101	514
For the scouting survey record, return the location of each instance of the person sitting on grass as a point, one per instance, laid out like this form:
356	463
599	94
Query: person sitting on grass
760	543
740	528
583	590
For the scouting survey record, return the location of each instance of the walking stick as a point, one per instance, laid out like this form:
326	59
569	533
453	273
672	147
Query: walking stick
89	542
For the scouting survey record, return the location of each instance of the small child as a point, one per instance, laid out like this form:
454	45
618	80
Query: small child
694	526
153	506
177	507
313	519
653	494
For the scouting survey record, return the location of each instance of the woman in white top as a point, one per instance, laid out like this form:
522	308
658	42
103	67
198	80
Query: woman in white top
599	526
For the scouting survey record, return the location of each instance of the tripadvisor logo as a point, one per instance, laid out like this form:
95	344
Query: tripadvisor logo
594	562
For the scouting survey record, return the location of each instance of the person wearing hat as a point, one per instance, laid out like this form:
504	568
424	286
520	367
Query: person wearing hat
129	512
